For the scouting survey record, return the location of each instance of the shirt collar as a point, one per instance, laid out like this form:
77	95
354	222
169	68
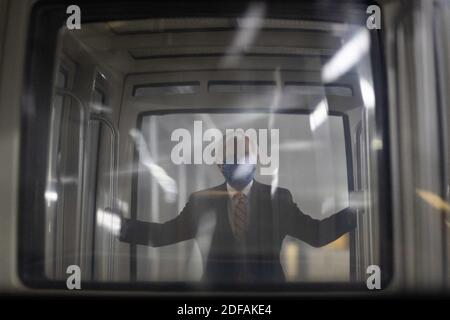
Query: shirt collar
245	191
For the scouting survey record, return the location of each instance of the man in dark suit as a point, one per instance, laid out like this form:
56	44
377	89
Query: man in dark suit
251	222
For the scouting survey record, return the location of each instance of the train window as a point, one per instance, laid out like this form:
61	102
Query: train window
306	89
166	88
298	142
240	152
241	86
63	125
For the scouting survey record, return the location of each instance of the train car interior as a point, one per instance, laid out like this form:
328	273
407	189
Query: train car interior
122	87
117	118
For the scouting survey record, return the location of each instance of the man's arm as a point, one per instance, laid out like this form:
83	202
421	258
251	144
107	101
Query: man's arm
313	231
181	228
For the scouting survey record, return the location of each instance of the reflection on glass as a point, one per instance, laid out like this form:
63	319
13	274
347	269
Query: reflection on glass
296	207
316	177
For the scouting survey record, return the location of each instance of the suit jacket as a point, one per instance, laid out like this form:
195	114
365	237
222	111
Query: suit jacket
271	219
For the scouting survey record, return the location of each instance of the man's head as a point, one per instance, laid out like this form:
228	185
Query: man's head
238	159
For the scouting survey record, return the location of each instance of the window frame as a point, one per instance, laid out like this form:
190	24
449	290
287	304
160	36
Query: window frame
46	19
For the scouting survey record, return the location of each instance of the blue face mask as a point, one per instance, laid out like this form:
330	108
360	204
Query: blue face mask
238	175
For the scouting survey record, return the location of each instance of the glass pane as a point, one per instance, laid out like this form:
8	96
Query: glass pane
152	188
166	88
319	185
319	90
237	86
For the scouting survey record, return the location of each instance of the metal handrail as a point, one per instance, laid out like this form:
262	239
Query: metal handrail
114	155
85	117
113	175
84	112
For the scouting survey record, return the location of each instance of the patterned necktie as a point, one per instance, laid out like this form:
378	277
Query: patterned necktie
240	217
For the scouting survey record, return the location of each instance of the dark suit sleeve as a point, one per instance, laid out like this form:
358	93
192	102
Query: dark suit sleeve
181	228
313	231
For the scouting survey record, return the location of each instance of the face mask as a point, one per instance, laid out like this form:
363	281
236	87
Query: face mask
238	175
